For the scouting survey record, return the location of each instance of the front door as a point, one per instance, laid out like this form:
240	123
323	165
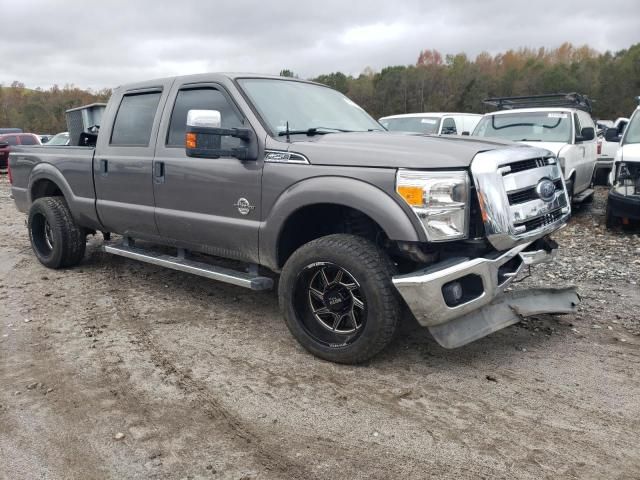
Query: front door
206	204
123	162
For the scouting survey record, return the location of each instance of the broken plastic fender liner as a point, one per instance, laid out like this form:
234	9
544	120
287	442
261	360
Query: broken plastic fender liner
505	310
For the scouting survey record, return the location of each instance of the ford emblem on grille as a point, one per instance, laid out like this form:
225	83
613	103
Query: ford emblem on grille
546	190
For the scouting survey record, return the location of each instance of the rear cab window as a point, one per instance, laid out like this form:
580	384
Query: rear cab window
28	140
449	127
134	119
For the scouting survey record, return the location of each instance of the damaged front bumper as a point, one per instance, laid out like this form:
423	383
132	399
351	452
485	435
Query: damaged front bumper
461	300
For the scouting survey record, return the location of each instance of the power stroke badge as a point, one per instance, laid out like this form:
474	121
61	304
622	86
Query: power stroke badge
243	206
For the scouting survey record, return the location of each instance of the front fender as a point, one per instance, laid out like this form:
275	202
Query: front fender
348	192
82	209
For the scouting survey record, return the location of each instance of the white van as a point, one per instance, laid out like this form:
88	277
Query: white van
568	132
432	123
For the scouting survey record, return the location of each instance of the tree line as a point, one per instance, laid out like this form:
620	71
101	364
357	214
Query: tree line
435	82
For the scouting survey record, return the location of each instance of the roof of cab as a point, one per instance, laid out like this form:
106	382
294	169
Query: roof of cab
207	77
535	110
429	114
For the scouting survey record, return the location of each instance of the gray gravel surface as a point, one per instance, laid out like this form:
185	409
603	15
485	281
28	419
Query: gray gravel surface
116	369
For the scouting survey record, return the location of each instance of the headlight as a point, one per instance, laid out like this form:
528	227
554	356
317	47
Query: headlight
440	199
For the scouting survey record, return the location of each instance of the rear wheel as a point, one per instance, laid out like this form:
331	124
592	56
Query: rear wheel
55	238
338	299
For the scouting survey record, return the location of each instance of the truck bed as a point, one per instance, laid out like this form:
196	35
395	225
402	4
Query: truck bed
72	167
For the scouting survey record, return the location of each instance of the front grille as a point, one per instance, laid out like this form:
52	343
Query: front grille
528	164
541	221
528	194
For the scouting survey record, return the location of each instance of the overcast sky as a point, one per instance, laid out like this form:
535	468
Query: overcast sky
106	43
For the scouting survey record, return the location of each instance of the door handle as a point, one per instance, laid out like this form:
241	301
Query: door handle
104	166
158	172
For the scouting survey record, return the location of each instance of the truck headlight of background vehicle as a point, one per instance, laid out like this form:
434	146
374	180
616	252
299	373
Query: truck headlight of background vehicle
439	199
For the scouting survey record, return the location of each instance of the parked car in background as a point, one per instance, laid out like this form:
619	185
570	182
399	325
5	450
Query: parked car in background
560	123
12	139
432	123
623	202
62	138
607	151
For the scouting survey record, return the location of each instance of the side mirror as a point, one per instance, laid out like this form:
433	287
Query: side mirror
612	135
465	134
203	137
586	134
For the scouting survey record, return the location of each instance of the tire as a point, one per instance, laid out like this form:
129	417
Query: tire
343	318
56	239
570	188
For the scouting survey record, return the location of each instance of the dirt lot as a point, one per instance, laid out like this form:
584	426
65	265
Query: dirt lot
204	381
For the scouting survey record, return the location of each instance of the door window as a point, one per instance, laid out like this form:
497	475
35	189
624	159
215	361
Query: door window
449	127
134	119
576	124
202	99
13	140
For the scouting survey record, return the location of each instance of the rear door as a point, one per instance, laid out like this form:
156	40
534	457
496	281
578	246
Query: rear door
124	160
199	201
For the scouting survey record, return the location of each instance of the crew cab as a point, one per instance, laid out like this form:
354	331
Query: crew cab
432	123
560	123
289	178
623	203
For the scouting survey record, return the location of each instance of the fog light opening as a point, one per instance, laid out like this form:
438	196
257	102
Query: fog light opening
462	290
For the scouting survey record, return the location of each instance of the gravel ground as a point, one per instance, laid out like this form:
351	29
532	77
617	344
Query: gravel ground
117	369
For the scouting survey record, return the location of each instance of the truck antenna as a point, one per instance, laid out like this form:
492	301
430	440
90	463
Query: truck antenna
287	131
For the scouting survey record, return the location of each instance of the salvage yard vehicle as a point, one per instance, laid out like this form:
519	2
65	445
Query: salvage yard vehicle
560	123
432	123
623	203
607	151
9	140
291	177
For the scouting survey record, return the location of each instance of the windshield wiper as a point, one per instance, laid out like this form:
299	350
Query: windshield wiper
312	131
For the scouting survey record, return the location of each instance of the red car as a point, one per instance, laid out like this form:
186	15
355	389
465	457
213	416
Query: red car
9	139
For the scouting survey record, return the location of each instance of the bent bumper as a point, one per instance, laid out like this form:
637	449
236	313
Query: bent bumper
624	206
482	282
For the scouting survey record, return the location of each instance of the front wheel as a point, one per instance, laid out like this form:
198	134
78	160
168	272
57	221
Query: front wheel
56	239
338	300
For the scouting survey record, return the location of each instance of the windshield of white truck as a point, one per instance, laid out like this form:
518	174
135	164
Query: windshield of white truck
426	125
527	126
633	129
304	107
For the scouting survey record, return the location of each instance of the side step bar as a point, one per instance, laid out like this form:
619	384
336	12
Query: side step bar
227	275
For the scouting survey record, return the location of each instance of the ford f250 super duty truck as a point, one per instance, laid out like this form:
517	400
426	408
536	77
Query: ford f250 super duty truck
289	177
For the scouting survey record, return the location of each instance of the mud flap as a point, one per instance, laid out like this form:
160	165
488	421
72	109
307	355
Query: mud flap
505	310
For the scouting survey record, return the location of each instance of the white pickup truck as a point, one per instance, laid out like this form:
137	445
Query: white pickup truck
432	123
560	123
607	151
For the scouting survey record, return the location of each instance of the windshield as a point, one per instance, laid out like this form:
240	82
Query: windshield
412	124
633	129
305	106
523	126
59	139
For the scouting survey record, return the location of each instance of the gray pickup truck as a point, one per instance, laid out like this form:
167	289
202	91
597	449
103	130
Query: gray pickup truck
291	178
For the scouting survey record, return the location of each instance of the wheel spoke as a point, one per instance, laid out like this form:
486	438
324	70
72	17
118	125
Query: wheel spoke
322	311
357	302
350	286
323	275
316	293
338	278
352	317
336	321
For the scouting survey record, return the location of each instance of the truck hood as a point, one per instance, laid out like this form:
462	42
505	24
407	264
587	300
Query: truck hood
631	152
392	150
553	147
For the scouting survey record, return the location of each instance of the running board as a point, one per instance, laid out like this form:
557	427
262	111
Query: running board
582	196
227	275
